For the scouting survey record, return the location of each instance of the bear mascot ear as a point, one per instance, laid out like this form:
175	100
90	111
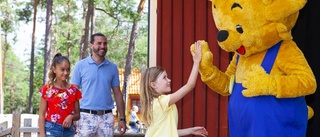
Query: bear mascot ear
268	76
283	14
280	9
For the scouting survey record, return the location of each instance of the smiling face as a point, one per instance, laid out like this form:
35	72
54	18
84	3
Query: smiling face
99	46
162	84
62	70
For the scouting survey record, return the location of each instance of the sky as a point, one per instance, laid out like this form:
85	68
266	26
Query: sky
22	47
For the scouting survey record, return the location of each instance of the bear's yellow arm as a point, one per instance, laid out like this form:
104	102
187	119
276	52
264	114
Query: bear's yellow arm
290	77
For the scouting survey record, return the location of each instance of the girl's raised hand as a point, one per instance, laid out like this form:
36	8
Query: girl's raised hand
196	52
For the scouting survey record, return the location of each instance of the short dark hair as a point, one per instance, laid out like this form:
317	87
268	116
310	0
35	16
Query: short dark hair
94	35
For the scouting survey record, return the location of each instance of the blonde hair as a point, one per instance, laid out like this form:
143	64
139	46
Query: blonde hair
135	108
147	93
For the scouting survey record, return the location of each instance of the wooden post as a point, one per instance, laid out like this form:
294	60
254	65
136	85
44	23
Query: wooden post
27	123
15	131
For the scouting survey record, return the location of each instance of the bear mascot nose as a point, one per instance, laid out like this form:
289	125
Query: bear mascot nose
222	35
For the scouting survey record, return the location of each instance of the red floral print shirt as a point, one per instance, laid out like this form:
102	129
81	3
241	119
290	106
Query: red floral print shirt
60	102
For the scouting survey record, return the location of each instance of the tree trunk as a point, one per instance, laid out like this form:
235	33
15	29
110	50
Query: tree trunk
12	97
30	104
92	25
92	21
4	57
5	48
1	81
129	57
47	47
68	35
82	36
84	45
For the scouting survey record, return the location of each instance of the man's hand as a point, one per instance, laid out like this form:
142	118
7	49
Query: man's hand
122	127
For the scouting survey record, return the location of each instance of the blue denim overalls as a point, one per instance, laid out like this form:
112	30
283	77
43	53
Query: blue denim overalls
266	116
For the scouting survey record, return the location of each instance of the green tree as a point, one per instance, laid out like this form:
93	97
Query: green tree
48	39
120	16
68	24
38	77
67	29
1	77
15	83
131	48
8	23
35	9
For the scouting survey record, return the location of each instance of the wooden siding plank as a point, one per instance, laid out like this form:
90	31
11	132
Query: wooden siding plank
212	113
180	24
166	60
223	116
200	92
189	38
223	105
177	45
212	97
159	32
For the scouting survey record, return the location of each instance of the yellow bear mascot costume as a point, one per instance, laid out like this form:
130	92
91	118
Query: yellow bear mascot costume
268	76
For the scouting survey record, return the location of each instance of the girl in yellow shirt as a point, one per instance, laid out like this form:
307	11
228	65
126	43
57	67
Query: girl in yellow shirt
158	106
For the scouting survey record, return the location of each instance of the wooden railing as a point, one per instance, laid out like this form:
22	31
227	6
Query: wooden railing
15	130
27	130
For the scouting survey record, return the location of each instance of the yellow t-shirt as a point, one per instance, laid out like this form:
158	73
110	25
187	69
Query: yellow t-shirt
165	118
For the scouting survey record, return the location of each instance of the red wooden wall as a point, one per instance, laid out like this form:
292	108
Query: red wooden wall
181	23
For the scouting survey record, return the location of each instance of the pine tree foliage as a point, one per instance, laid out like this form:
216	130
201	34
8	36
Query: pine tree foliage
114	18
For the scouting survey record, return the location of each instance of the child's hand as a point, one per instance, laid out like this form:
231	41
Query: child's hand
196	53
201	131
68	121
42	135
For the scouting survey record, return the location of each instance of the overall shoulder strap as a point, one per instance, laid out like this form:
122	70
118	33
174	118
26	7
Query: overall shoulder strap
270	57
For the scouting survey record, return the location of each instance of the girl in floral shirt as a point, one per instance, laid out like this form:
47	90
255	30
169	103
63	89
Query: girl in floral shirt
59	105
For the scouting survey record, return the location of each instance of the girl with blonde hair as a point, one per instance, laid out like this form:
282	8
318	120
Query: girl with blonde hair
157	104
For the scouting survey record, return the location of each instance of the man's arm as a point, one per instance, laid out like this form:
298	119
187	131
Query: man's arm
120	107
119	101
